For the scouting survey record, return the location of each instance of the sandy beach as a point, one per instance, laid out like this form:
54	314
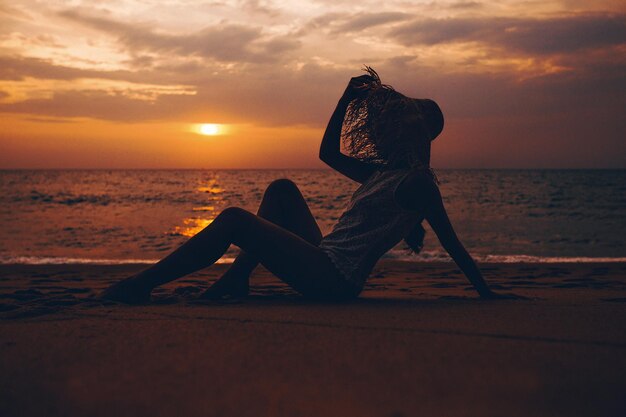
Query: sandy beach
417	343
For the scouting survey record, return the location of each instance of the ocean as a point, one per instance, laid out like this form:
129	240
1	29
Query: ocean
130	216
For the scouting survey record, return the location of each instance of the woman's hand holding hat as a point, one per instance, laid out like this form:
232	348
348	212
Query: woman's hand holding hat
357	87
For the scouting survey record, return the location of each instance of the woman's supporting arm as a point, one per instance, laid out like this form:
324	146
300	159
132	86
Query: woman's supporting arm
419	192
330	150
440	223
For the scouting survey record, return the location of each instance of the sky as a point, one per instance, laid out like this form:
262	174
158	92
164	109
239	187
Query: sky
127	83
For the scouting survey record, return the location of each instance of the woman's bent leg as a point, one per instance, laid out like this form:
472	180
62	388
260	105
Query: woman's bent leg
299	263
284	205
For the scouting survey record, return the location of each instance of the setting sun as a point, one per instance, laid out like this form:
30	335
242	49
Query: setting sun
210	129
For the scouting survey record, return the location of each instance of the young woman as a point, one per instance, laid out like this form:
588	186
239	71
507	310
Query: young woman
388	136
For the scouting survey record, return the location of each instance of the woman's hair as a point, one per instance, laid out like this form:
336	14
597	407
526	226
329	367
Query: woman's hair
384	126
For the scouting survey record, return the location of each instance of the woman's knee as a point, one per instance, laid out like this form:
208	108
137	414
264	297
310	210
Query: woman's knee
235	222
233	215
282	186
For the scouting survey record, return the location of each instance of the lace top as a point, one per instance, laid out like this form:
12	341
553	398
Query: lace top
372	224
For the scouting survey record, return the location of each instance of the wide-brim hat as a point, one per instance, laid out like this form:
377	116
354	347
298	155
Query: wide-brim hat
431	115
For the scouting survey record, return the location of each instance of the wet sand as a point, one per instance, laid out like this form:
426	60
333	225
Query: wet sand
418	343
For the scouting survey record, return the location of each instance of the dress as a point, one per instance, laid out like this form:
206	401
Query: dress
372	224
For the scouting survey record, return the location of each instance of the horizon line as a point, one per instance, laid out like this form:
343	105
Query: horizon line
295	168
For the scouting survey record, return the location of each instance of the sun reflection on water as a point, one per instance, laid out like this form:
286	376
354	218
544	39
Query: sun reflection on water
211	187
192	225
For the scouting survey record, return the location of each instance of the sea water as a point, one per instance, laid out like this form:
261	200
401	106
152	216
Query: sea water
127	216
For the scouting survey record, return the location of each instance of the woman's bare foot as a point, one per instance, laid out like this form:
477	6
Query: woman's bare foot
228	286
128	291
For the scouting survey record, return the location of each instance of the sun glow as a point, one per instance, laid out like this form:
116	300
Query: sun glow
210	129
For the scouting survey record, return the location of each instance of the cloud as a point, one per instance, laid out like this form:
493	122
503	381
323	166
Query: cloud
263	96
362	21
466	5
55	120
321	22
259	7
90	103
12	12
532	36
336	23
17	68
222	42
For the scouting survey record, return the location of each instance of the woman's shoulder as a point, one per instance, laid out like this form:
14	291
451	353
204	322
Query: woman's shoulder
415	190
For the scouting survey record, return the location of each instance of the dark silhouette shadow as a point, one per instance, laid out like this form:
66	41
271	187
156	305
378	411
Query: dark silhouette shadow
388	136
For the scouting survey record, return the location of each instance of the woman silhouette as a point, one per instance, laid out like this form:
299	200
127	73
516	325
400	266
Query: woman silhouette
388	136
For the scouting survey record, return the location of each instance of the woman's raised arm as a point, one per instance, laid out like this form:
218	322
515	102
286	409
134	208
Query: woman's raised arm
330	150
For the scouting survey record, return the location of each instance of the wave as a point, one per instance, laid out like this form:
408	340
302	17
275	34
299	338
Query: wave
60	260
436	256
423	257
527	259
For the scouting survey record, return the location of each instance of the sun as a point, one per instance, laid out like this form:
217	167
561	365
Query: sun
209	129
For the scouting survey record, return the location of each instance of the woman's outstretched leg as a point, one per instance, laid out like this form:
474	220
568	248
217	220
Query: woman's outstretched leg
198	252
301	264
284	205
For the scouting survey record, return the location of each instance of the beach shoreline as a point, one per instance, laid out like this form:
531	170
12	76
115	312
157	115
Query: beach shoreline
417	342
23	285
